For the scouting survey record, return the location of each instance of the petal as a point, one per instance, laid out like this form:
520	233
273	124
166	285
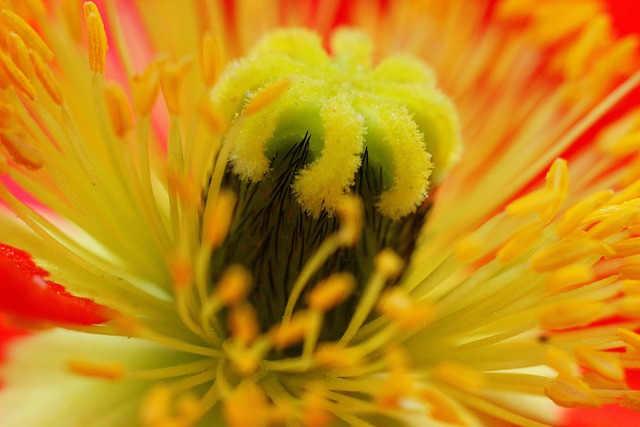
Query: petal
25	292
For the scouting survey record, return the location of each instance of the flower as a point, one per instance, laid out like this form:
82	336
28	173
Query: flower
293	235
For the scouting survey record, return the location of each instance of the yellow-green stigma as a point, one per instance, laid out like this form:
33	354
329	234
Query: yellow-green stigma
307	130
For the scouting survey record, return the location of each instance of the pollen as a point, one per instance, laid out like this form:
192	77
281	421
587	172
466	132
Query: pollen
330	292
97	38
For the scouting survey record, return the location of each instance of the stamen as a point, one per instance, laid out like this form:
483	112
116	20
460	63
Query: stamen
171	82
109	371
562	254
331	291
119	111
243	323
571	392
212	58
459	376
519	243
571	314
17	77
46	77
576	214
233	286
97	38
606	364
236	406
287	334
266	96
145	89
396	304
27	33
568	277
22	152
217	221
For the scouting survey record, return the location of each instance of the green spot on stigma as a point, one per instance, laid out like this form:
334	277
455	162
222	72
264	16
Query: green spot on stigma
307	129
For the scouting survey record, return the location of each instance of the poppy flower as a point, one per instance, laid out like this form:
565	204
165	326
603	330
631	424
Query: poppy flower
318	213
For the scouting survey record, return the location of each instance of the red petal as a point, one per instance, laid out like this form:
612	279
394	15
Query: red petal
24	292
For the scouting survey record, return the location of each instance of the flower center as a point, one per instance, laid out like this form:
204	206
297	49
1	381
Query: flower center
306	131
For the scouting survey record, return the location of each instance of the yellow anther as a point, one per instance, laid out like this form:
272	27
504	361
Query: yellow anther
582	53
574	216
96	38
243	323
627	247
555	20
563	253
46	77
534	202
22	151
16	77
519	243
245	361
629	271
109	371
388	264
315	412
217	121
396	304
181	271
171	82
350	212
571	392
561	361
246	406
31	38
266	96
399	384
630	337
442	408
19	53
285	335
557	181
331	291
156	406
459	375
471	248
571	314
212	58
218	218
621	137
333	356
567	277
119	110
234	285
629	192
614	223
145	89
604	363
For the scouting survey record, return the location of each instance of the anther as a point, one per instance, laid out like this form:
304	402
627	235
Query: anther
218	217
459	376
119	111
571	314
109	371
519	243
629	271
388	264
331	291
334	356
17	77
27	33
46	77
563	253
243	323
22	151
97	38
285	335
171	82
571	392
604	363
396	304
145	88
233	285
